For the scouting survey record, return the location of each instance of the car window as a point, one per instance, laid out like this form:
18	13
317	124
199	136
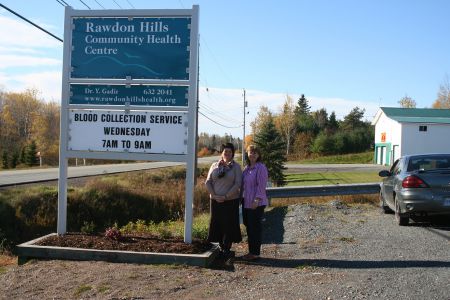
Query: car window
395	167
429	162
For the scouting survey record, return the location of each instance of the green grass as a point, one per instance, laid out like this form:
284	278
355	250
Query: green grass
81	289
347	239
352	158
328	178
103	288
305	266
170	228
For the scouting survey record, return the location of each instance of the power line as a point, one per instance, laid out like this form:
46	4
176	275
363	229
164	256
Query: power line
65	2
99	4
85	4
215	114
117	4
35	25
217	62
216	121
130	4
60	3
218	114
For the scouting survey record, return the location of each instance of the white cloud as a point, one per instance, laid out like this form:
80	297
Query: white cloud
47	83
6	50
21	34
13	60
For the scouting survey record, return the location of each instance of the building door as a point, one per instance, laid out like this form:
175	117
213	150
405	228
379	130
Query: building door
395	152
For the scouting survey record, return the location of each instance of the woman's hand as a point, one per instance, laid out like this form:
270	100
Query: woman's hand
255	203
219	199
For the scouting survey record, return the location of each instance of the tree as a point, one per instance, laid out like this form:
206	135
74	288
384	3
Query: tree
16	118
305	122
23	155
273	151
407	102
286	122
262	117
320	118
324	144
302	107
45	131
14	159
31	154
333	124
443	96
302	145
5	162
354	119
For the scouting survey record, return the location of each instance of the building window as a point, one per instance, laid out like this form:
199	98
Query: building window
423	128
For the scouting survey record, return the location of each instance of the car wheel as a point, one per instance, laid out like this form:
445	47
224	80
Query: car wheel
384	208
401	219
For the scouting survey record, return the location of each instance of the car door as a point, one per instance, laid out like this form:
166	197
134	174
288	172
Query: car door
389	182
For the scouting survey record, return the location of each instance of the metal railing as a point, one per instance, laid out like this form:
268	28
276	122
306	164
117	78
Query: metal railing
323	190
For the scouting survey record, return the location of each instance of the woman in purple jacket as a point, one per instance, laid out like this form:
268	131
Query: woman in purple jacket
254	182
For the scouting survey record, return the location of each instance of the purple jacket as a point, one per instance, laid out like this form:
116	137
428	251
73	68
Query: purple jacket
254	182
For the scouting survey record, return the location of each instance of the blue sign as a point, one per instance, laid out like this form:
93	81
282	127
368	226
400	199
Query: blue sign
145	95
142	48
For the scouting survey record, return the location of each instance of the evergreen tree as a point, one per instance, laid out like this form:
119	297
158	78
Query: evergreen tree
333	124
302	107
354	119
305	121
14	159
31	155
273	150
23	154
5	160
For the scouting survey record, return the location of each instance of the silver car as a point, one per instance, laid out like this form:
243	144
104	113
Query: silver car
416	185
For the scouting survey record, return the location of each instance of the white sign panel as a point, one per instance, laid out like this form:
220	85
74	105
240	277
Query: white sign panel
133	132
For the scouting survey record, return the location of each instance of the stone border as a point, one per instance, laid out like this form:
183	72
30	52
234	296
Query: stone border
28	250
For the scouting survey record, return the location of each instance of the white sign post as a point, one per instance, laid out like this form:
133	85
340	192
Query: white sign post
129	91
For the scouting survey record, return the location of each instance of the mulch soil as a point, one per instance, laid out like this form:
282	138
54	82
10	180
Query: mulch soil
136	243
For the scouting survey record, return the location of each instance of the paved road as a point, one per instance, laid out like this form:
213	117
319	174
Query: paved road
8	178
17	177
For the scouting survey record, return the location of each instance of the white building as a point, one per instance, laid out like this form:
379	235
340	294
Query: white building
402	131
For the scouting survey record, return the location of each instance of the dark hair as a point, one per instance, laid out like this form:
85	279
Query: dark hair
255	149
227	146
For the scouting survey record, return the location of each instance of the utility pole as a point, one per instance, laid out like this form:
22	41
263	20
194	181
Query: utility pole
243	137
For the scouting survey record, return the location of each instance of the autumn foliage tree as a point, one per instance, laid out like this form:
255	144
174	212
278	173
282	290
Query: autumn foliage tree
24	118
407	102
286	123
443	96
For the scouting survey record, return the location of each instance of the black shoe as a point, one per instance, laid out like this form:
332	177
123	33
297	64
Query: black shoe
226	254
229	254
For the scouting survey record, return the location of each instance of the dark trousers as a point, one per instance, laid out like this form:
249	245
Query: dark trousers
253	223
224	224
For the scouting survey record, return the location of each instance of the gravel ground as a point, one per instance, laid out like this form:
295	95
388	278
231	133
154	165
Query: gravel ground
329	251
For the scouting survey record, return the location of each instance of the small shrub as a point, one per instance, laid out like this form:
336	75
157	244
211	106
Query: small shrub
88	227
113	233
203	152
164	232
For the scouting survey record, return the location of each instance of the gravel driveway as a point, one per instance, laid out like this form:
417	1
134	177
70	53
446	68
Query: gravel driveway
329	251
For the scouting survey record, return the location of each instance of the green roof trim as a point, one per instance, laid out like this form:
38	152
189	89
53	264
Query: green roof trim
417	115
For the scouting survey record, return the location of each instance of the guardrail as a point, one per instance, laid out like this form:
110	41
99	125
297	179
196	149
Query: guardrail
323	190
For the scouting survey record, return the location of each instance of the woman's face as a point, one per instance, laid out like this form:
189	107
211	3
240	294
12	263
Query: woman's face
227	154
252	156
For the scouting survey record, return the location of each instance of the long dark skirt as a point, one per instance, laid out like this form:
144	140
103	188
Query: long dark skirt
224	225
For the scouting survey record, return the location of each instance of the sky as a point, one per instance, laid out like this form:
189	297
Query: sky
340	54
